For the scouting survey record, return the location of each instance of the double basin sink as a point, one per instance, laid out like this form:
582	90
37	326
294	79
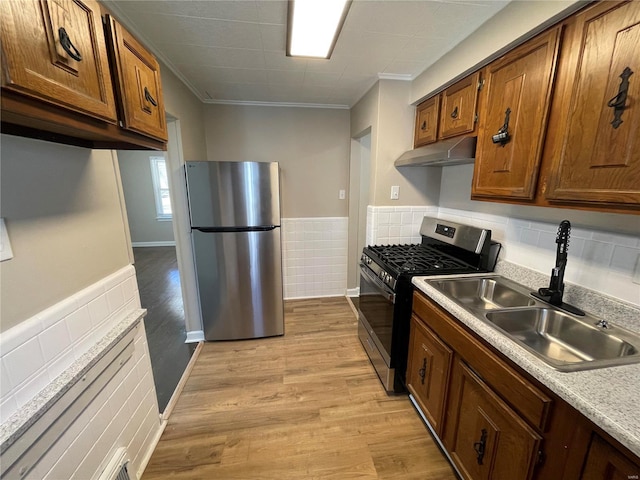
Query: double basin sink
564	341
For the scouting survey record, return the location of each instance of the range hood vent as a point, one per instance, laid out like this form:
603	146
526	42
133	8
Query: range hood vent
453	151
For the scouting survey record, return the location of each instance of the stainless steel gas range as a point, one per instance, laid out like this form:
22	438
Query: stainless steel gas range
386	292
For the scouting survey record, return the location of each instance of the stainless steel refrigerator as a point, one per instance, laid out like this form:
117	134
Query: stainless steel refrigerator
234	209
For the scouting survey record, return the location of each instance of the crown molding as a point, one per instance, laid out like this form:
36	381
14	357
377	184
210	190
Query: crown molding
278	104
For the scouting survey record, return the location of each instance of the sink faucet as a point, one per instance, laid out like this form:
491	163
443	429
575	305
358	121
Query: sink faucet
553	294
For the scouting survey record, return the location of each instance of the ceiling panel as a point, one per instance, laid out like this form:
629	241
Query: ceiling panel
235	50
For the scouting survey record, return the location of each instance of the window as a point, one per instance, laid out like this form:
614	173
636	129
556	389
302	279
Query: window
161	188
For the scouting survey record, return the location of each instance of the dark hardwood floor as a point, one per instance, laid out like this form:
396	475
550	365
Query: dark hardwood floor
160	294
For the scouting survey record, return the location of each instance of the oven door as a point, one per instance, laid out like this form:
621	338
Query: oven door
376	306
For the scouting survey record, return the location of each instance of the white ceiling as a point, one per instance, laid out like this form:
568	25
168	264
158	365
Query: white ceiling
234	51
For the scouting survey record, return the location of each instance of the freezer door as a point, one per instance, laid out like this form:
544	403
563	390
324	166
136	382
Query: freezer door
233	194
240	284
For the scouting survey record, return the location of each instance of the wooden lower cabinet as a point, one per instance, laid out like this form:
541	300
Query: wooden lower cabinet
485	438
428	372
605	462
496	421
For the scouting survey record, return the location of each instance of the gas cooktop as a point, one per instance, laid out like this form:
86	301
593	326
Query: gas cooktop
416	259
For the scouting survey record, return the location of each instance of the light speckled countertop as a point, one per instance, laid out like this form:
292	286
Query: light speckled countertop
609	397
28	414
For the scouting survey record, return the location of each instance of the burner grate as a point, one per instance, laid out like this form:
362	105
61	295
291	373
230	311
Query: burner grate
417	259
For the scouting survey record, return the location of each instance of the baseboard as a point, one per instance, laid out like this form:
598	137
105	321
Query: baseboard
183	380
353	307
168	243
152	447
306	297
353	292
195	336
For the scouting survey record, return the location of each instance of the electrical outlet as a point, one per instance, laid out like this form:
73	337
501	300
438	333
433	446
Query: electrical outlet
636	272
395	192
342	195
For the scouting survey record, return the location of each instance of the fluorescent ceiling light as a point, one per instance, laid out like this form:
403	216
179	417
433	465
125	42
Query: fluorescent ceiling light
313	26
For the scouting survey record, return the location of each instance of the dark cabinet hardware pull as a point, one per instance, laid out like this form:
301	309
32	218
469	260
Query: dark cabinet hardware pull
423	127
618	102
454	114
68	46
149	98
480	446
423	371
503	137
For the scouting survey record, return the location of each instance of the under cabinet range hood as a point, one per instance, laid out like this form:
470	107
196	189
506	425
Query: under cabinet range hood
453	151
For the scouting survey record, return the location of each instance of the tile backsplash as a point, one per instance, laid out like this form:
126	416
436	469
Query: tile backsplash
598	260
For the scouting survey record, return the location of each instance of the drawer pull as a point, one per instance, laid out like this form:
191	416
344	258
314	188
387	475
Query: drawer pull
423	371
149	98
480	446
68	46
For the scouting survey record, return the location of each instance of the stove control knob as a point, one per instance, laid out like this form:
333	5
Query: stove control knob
368	261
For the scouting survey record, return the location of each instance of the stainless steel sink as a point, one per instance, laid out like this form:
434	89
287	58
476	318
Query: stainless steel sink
484	293
564	341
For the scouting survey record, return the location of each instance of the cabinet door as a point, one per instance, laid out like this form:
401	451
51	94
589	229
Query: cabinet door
427	122
606	463
138	84
518	91
596	151
428	372
55	51
459	107
485	438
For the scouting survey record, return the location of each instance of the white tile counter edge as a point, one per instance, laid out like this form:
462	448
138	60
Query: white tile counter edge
606	396
24	417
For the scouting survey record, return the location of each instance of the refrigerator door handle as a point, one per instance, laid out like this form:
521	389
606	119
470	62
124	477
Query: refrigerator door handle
261	228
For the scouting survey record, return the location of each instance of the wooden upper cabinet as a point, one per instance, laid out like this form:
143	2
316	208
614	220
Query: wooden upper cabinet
515	110
485	438
595	152
138	83
428	372
55	51
459	107
427	115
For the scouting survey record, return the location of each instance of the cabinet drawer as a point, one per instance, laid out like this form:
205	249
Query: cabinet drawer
486	439
459	107
55	51
427	122
138	83
524	397
428	372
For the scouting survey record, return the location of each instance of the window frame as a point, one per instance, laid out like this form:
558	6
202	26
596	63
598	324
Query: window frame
161	215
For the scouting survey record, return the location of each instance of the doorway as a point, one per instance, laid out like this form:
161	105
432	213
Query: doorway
148	192
359	185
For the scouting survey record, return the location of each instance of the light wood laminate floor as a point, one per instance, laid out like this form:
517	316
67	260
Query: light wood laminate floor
307	405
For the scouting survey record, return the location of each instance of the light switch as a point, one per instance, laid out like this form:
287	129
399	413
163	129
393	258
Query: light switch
395	192
5	246
342	195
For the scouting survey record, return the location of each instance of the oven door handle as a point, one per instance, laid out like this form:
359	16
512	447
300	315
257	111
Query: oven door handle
387	292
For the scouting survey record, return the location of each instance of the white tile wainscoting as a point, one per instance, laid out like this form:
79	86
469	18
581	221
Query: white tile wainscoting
124	414
314	256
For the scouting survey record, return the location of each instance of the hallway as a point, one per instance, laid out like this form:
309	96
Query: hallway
160	294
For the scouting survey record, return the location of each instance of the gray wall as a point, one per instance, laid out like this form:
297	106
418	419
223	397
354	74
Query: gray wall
311	144
62	208
137	184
